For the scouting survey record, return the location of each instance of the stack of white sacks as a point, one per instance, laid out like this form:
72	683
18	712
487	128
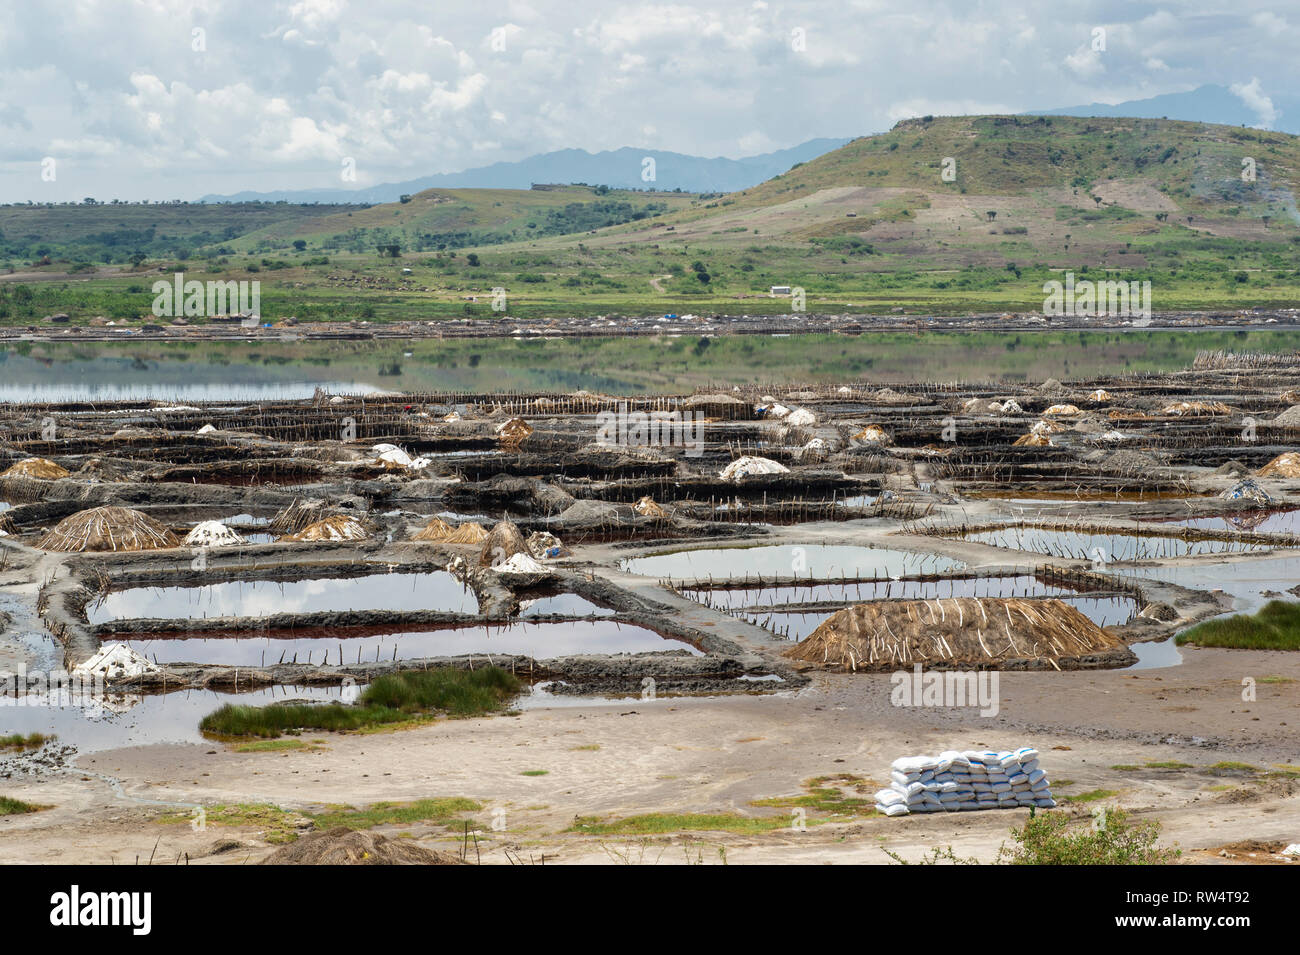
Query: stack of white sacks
955	781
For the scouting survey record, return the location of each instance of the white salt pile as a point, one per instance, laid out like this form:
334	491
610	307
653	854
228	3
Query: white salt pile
954	781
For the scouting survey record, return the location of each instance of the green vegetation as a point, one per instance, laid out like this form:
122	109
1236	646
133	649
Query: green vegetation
870	227
838	796
535	772
279	826
1048	839
401	697
444	811
1093	795
16	807
1275	627
19	741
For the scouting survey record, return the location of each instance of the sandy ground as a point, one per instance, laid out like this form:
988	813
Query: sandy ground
718	755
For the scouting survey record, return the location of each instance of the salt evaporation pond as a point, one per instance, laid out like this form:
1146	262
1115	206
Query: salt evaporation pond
257	598
541	641
787	560
1280	521
1105	545
141	720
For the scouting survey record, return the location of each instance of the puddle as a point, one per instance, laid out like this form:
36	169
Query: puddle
568	605
802	560
1155	654
1010	585
1255	521
789	626
242	598
1106	546
142	720
542	641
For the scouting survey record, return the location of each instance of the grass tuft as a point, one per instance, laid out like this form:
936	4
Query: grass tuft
394	698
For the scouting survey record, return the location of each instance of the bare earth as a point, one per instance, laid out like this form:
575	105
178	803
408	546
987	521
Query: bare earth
718	755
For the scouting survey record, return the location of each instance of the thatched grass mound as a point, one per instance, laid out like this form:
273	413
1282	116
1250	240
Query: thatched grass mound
647	507
514	431
42	468
298	515
337	527
107	529
1284	465
436	530
501	544
469	533
342	846
970	632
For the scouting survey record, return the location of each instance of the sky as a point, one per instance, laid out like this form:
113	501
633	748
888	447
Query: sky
164	99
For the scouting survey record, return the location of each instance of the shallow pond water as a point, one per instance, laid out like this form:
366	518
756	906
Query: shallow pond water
568	605
542	641
1255	521
141	720
1106	546
438	590
787	560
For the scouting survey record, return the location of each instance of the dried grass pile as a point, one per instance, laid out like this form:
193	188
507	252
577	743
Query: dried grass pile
1033	440
647	507
513	432
470	533
873	434
7	525
970	632
300	513
1285	465
436	530
1195	408
1065	410
107	529
42	468
502	543
342	846
336	527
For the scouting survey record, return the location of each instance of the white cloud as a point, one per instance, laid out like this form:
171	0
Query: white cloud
410	87
1254	97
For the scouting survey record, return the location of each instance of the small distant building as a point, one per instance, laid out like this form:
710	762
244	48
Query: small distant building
780	290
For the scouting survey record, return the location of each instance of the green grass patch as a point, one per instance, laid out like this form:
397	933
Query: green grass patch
19	741
442	811
16	807
1093	795
840	795
1049	839
1274	627
535	772
395	698
1169	764
659	823
276	746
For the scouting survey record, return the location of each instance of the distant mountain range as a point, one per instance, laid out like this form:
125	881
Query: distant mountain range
1205	104
617	168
